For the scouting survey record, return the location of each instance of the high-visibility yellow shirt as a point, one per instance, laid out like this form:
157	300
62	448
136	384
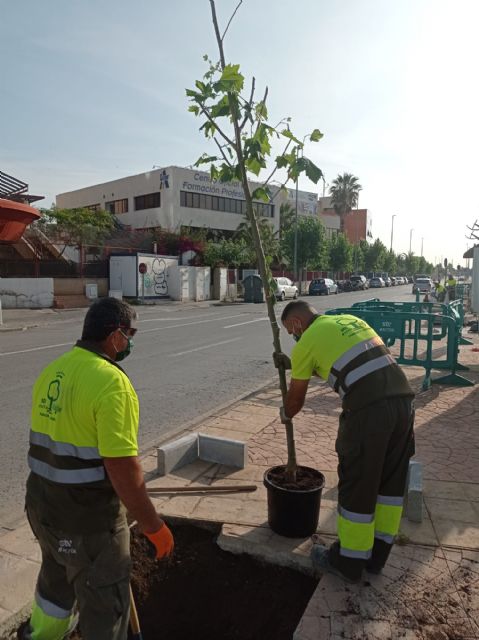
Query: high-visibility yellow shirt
85	400
324	341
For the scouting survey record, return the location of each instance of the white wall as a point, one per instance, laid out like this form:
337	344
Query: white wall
26	293
189	283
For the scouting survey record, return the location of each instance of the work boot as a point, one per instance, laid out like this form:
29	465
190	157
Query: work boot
322	561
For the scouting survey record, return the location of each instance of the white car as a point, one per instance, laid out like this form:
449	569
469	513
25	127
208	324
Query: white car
285	289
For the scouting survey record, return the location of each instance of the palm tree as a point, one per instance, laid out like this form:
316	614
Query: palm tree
244	233
345	194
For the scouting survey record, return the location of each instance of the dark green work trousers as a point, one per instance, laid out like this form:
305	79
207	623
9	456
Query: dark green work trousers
374	445
89	573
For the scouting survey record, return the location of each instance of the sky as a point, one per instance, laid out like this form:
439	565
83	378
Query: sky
94	90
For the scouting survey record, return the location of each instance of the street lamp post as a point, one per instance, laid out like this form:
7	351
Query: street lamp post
392	230
410	239
295	261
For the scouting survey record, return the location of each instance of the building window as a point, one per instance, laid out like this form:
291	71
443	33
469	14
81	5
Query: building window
93	207
148	201
117	206
218	203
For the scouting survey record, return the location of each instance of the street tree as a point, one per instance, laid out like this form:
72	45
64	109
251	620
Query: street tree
344	192
238	125
390	263
226	253
340	253
310	240
375	256
77	227
269	241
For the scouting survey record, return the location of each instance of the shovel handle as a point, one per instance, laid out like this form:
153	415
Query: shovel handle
225	488
134	621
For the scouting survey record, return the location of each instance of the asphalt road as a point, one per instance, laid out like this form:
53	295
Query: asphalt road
185	363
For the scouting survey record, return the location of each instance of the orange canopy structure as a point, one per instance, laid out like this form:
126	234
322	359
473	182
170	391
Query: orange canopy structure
14	218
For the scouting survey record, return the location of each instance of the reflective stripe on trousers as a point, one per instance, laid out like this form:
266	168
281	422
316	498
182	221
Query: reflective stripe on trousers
48	621
357	531
387	517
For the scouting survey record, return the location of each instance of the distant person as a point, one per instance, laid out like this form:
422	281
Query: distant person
84	465
451	287
440	291
375	438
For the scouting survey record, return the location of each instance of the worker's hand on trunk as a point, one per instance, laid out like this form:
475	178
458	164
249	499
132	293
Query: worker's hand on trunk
162	540
281	360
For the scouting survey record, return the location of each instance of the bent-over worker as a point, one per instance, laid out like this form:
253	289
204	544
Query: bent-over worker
375	438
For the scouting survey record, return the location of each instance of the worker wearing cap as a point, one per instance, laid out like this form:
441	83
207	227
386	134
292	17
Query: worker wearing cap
375	438
84	471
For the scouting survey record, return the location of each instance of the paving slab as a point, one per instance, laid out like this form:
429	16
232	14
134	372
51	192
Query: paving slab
429	589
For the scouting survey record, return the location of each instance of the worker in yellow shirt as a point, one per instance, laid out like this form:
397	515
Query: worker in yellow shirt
375	438
451	287
84	472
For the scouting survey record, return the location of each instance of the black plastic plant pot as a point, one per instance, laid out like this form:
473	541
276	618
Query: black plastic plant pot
294	512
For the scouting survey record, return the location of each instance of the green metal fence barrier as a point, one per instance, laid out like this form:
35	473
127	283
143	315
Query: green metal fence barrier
453	310
416	330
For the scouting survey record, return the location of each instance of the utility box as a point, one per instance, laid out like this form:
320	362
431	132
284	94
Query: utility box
141	275
91	291
253	289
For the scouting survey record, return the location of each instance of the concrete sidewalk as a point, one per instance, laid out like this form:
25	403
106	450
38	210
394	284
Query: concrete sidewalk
430	588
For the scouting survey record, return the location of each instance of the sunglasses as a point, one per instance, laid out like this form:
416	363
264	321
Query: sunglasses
128	332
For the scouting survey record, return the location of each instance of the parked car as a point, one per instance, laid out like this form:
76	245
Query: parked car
387	281
423	285
393	281
285	289
376	283
344	285
359	282
322	286
399	280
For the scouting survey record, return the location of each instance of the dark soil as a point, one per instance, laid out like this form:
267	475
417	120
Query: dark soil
208	594
306	478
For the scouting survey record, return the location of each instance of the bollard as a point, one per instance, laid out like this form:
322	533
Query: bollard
418	295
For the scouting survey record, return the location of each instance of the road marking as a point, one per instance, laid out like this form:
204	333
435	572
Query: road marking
230	326
170	319
207	346
187	324
48	346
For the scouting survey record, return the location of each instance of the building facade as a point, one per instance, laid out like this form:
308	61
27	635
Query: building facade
357	223
176	197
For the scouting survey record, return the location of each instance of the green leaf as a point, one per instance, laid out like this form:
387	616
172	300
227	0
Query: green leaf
313	172
261	110
287	134
222	108
254	165
231	79
193	94
281	162
204	159
261	194
194	109
316	135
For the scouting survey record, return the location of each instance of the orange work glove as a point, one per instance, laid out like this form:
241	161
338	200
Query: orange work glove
162	541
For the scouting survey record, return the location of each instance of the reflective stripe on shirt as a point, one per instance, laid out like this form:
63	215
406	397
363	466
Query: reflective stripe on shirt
66	476
64	448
